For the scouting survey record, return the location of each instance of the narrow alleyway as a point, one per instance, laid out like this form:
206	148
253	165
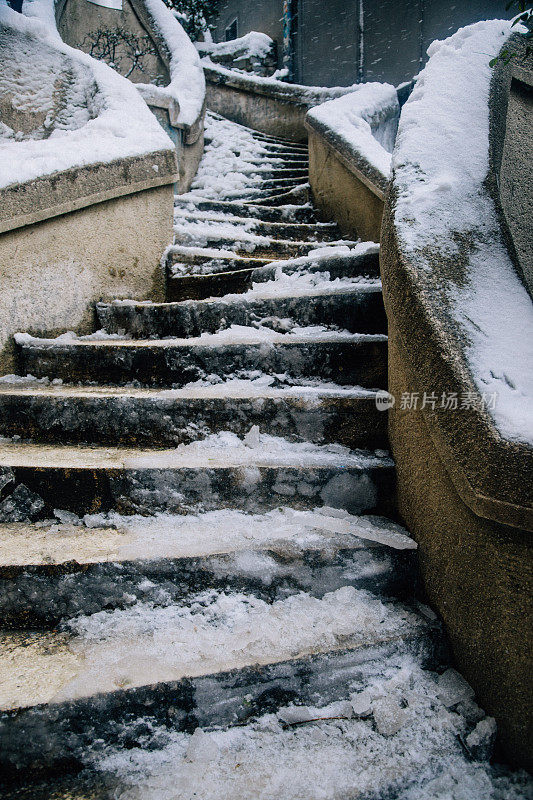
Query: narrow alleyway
213	595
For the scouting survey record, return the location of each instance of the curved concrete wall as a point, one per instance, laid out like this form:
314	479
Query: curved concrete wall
79	21
91	212
348	167
464	484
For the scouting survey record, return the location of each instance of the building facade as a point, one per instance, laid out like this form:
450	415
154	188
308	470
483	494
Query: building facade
340	42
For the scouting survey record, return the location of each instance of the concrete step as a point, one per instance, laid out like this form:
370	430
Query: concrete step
55	571
283	172
221	471
294	191
288	213
210	260
344	358
158	418
214	237
295	158
196	665
235	274
298	231
268	197
357	308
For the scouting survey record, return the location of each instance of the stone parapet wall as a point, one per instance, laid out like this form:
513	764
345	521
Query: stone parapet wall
348	166
53	272
264	104
459	326
86	208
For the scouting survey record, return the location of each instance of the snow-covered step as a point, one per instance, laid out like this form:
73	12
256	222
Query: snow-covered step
297	159
272	197
318	413
256	473
220	659
53	571
284	172
222	237
393	735
281	304
341	357
195	286
212	259
318	231
288	213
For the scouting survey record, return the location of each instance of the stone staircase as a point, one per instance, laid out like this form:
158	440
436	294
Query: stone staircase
202	586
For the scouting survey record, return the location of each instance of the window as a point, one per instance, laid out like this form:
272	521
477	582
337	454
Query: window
232	31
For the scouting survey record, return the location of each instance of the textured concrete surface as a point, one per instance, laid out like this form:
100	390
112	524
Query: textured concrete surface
343	192
248	104
53	271
478	574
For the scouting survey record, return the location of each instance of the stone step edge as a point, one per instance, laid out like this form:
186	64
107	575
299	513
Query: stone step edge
338	532
43	737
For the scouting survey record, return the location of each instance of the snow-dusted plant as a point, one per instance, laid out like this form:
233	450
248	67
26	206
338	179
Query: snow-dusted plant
524	17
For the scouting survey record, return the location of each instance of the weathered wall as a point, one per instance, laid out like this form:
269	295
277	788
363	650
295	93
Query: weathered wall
396	34
341	194
52	272
262	111
516	170
79	20
478	574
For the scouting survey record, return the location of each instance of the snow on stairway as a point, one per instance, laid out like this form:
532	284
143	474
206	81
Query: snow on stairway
339	356
315	411
83	565
198	598
222	470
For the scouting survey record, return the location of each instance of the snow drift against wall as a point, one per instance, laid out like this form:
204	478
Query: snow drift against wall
187	82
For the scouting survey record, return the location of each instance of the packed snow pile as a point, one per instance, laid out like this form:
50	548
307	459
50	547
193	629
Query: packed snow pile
185	95
363	122
255	52
443	211
61	108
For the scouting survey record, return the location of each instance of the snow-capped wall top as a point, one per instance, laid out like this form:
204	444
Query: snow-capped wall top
99	117
253	44
289	92
448	228
187	82
362	122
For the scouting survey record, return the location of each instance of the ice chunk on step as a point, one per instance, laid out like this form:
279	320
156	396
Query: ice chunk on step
7	477
357	492
453	688
361	703
480	742
375	529
294	715
67	517
470	711
252	438
389	716
202	747
22	505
